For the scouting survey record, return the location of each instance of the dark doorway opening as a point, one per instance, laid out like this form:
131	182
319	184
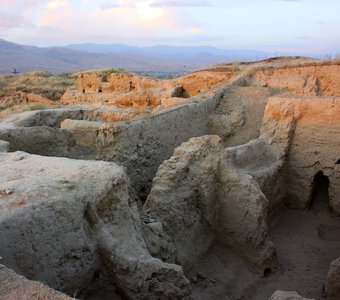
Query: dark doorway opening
319	195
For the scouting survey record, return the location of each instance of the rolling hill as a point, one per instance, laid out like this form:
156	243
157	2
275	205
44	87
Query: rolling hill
156	59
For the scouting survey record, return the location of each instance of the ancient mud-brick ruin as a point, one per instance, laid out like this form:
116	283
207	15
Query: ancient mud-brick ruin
221	184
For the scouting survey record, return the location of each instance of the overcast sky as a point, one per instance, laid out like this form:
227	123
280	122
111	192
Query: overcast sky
298	26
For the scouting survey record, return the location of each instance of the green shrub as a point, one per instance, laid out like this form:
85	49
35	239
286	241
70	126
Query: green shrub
111	71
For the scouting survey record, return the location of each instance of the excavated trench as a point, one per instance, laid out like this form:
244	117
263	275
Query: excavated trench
139	145
306	240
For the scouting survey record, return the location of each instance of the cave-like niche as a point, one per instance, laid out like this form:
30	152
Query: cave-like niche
319	192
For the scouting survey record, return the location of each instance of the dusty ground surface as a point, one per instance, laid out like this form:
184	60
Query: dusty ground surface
217	276
306	241
15	287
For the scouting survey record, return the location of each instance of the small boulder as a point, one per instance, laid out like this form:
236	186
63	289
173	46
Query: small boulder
332	285
282	295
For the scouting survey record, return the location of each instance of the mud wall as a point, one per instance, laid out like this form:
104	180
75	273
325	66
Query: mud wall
121	82
142	145
193	84
38	132
310	80
238	117
314	144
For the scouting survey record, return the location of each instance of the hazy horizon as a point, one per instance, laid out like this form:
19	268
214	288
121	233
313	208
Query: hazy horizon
276	26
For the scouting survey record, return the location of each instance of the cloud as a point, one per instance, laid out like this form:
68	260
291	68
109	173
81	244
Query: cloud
19	13
133	22
180	3
109	4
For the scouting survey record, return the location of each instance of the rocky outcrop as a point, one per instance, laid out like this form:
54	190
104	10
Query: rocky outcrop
303	80
332	285
281	295
14	286
198	193
66	220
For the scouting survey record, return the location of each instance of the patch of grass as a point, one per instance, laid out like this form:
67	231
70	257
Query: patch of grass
44	84
111	71
235	66
250	72
36	106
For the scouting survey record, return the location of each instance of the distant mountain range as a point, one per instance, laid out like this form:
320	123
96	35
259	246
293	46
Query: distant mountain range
156	59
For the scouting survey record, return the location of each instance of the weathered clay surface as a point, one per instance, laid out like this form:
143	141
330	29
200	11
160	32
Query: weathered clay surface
304	80
127	90
260	159
313	146
238	117
14	286
281	295
67	219
121	82
24	98
198	193
332	285
41	140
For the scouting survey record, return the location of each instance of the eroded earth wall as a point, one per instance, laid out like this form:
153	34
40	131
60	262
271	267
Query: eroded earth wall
139	145
142	145
303	80
313	147
198	197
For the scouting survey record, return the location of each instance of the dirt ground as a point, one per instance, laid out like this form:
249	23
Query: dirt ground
306	241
